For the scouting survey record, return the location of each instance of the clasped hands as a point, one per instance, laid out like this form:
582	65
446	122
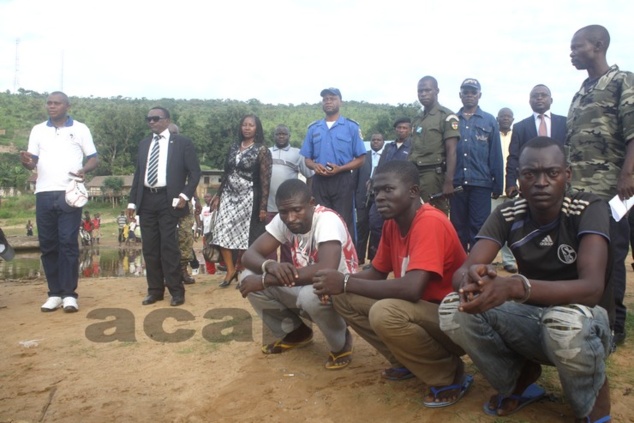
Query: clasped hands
482	289
330	169
327	282
285	273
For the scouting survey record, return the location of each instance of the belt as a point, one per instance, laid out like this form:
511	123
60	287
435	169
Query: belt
428	166
155	190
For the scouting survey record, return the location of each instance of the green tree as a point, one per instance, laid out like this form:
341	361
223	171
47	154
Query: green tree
116	133
112	186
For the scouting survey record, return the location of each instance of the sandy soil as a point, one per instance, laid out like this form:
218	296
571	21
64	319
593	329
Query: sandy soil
75	371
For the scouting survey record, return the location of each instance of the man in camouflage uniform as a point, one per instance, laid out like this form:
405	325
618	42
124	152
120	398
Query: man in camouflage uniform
185	233
434	138
600	128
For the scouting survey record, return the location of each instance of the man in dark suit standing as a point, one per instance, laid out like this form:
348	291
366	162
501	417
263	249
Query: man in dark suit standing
542	123
165	179
363	198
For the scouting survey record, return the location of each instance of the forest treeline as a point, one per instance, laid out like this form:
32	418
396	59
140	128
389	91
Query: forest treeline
117	125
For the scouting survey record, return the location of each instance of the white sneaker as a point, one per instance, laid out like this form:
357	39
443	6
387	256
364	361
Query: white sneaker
70	305
52	304
195	271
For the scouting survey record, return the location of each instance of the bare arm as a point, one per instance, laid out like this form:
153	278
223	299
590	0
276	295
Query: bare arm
89	166
450	157
28	160
625	183
482	289
372	284
285	274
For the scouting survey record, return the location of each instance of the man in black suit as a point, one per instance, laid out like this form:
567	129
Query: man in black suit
165	179
541	123
362	201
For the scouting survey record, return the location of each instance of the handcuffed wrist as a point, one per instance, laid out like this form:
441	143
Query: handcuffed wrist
264	263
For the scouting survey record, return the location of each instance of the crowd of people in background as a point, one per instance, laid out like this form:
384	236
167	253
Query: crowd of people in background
433	207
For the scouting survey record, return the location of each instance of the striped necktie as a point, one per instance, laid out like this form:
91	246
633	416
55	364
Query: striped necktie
543	129
152	168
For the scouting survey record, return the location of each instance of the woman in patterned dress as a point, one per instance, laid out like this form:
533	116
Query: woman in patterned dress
243	194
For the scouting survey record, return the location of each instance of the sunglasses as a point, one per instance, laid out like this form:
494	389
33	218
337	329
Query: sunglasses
153	118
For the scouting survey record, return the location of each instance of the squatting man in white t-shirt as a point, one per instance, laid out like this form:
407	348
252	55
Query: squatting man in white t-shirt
282	293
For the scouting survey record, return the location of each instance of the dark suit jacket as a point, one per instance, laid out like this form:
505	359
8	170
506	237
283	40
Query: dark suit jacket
361	177
183	171
524	131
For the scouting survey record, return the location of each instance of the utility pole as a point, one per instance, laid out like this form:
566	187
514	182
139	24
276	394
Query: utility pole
16	78
61	76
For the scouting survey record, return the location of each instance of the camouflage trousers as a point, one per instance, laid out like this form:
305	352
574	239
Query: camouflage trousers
185	238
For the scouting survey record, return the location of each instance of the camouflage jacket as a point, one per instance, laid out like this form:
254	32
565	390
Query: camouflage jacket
600	124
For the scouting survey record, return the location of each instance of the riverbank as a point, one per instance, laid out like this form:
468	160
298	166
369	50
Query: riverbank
202	362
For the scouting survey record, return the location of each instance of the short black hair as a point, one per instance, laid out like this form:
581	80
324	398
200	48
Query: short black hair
543	142
165	111
292	188
429	78
281	126
406	171
61	94
542	85
594	33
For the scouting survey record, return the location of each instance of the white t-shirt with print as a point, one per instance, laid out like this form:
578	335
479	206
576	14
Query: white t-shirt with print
327	226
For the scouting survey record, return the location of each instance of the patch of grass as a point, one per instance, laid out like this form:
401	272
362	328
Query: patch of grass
127	344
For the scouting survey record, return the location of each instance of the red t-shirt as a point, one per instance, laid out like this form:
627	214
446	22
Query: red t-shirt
431	245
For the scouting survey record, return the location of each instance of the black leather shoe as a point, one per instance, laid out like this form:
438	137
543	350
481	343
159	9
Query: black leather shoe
176	301
151	299
187	279
225	283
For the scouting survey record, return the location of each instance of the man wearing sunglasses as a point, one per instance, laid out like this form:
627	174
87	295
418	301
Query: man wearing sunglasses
165	179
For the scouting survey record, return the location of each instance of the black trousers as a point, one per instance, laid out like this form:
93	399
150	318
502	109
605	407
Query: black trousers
160	244
363	232
619	242
337	193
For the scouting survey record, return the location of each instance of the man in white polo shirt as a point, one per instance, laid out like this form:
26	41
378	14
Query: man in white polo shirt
57	149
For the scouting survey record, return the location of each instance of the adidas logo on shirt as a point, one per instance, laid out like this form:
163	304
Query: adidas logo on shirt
546	242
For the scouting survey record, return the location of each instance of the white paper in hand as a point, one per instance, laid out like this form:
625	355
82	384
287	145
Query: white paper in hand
619	207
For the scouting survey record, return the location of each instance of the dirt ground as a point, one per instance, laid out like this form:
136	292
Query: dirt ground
201	362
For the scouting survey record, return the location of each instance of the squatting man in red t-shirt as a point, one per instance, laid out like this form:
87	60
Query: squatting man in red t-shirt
399	317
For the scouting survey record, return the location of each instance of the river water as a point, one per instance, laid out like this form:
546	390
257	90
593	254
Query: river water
93	262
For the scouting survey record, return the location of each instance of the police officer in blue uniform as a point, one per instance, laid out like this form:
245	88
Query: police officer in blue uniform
333	147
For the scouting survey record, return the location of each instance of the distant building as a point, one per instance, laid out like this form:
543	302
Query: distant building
209	182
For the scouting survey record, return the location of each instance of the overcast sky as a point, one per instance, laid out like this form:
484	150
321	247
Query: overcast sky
286	51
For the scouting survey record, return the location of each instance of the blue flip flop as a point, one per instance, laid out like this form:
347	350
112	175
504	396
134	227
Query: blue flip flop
397	373
603	419
467	381
531	394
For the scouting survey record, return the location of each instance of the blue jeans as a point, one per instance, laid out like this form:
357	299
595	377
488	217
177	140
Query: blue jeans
469	210
58	228
574	338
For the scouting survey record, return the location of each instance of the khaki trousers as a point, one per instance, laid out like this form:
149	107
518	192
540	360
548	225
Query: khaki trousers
407	334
